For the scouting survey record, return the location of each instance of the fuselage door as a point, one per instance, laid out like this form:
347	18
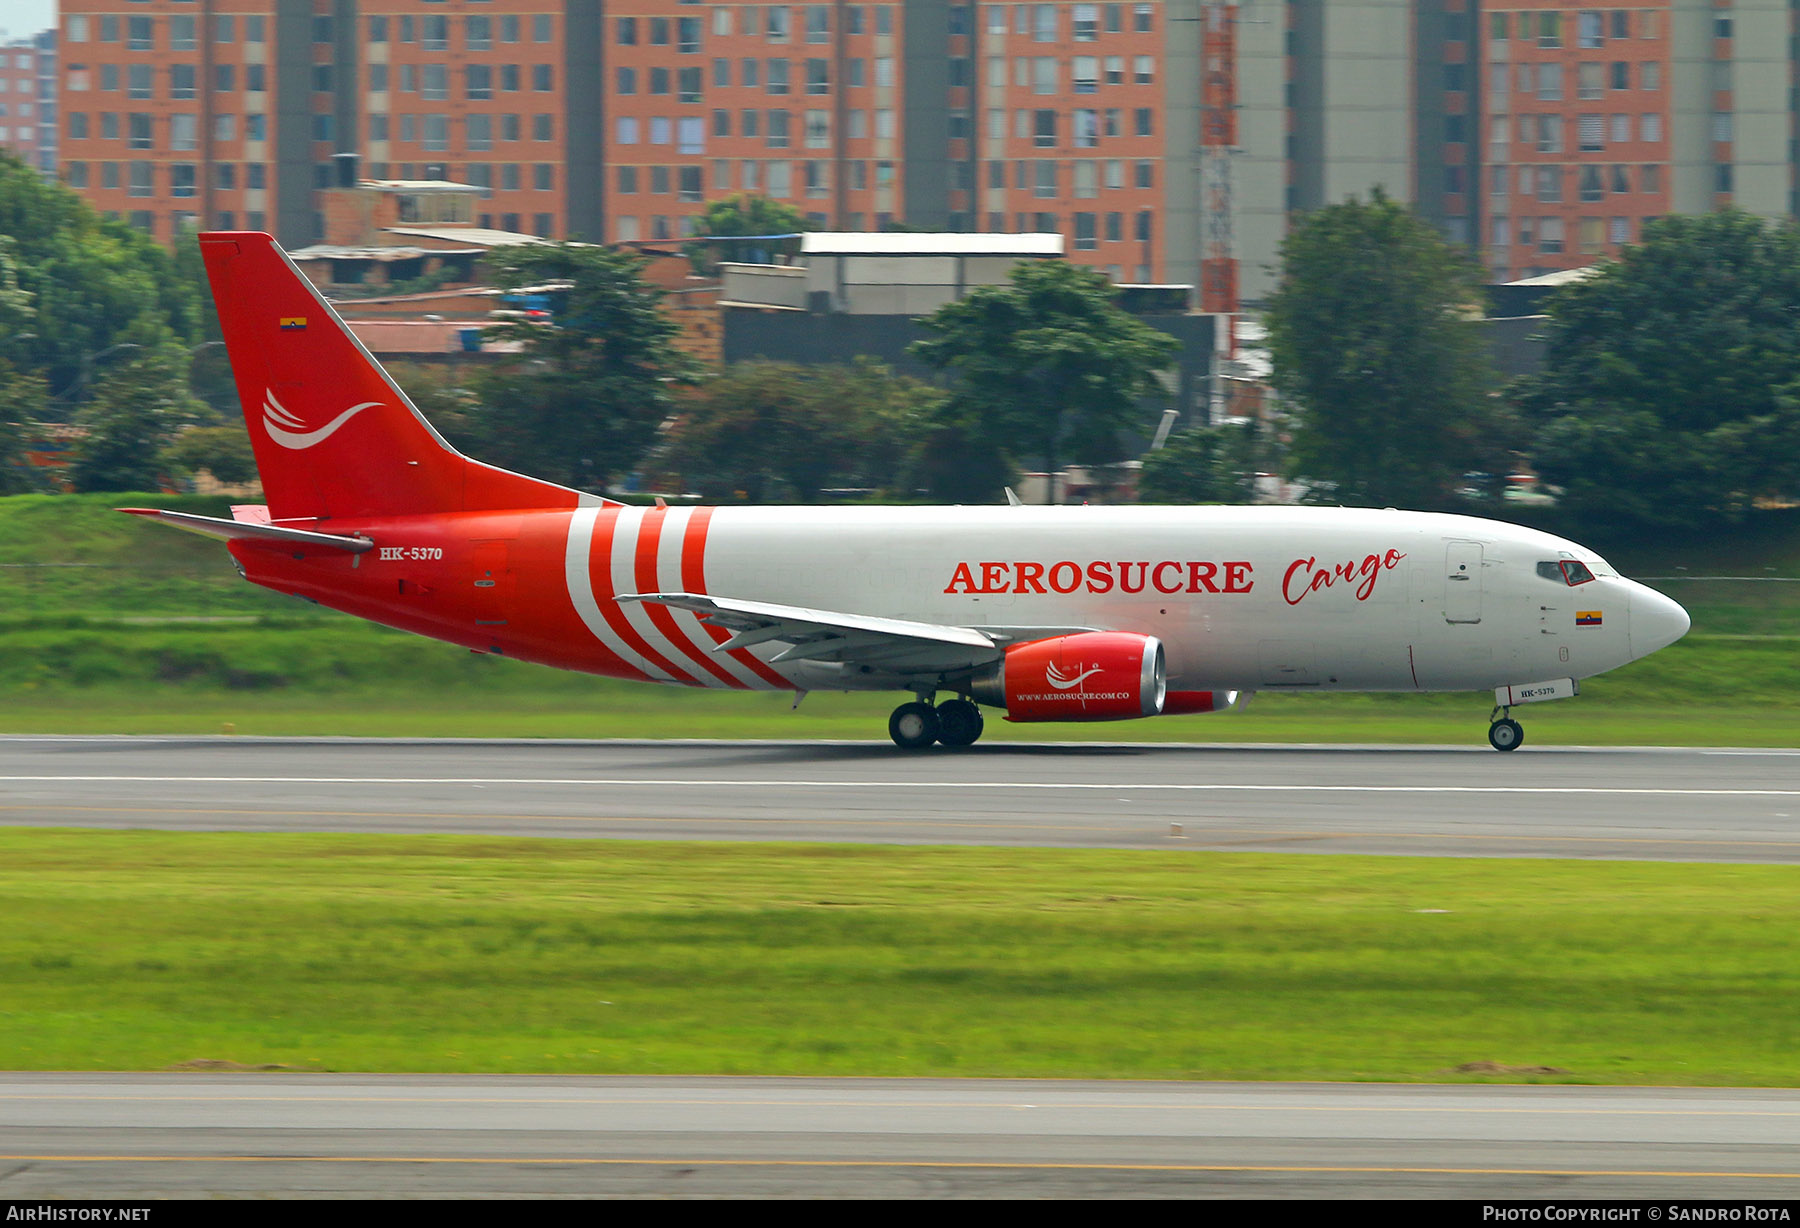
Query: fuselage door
1462	582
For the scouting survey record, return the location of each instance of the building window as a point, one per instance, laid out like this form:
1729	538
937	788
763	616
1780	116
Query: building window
1550	234
481	132
434	83
1086	235
478	81
540	78
478	33
434	33
1591	134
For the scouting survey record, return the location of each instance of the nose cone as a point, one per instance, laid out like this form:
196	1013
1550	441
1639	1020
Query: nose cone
1656	621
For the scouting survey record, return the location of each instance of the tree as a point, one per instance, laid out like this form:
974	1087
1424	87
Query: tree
22	400
1048	361
136	408
1377	356
764	431
1671	391
223	451
743	213
593	385
1203	464
73	284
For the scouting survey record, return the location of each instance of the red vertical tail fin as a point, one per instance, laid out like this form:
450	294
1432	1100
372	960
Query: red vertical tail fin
334	436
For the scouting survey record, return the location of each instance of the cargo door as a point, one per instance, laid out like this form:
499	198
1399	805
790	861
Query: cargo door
1462	582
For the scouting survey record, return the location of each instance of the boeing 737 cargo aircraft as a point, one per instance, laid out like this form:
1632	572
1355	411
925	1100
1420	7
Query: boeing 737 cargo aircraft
1049	614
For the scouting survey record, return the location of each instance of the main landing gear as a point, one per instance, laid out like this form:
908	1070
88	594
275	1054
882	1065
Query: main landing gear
1505	733
955	722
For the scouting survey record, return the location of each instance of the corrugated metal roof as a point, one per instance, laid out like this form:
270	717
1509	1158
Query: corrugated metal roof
855	243
416	185
467	234
384	255
1561	277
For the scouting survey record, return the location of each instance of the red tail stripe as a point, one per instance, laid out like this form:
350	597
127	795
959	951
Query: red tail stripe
600	567
649	538
693	579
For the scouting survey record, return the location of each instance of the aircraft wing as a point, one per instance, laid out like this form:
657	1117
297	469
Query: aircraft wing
895	645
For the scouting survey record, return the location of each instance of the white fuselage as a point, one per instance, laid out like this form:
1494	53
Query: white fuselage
1243	598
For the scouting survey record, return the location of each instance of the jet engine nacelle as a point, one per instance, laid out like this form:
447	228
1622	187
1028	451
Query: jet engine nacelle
1186	703
1093	676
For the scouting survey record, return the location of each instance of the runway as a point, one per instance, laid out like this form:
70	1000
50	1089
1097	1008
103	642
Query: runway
1661	804
187	1135
297	1135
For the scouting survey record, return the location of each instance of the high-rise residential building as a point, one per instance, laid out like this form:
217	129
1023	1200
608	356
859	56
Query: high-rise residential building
1539	133
1599	117
237	113
28	79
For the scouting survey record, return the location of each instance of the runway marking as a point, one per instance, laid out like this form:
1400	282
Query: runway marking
990	1165
228	1100
660	782
1197	832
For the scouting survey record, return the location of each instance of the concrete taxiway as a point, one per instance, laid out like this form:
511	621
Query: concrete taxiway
1666	804
186	1135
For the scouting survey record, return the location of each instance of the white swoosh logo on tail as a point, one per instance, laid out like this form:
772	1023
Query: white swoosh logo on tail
276	417
1063	682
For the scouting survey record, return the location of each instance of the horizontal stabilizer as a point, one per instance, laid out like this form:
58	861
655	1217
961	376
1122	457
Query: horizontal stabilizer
212	526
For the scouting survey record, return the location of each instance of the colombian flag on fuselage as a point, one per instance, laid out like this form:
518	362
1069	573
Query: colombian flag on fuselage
293	322
1587	618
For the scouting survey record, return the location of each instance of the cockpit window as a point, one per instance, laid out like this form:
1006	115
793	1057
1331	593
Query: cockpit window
1567	571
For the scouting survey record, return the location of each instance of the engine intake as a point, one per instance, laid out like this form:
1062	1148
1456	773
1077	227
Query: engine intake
1093	676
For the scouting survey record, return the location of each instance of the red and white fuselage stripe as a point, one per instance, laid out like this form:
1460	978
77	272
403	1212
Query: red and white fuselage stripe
613	550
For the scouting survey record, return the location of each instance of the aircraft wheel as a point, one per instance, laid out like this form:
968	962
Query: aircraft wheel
913	726
959	722
1506	734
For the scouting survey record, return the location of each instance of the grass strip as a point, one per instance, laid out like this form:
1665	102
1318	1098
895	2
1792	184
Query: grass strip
350	678
139	950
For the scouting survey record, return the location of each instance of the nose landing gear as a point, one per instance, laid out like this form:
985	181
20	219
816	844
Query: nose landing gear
1505	733
954	723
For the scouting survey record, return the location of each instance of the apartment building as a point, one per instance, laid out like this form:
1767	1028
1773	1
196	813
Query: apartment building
236	113
1598	118
28	80
1542	134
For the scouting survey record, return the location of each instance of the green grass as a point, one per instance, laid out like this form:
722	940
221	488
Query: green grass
354	678
138	950
75	572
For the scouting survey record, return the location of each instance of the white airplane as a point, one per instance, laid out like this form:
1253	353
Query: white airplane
1049	614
